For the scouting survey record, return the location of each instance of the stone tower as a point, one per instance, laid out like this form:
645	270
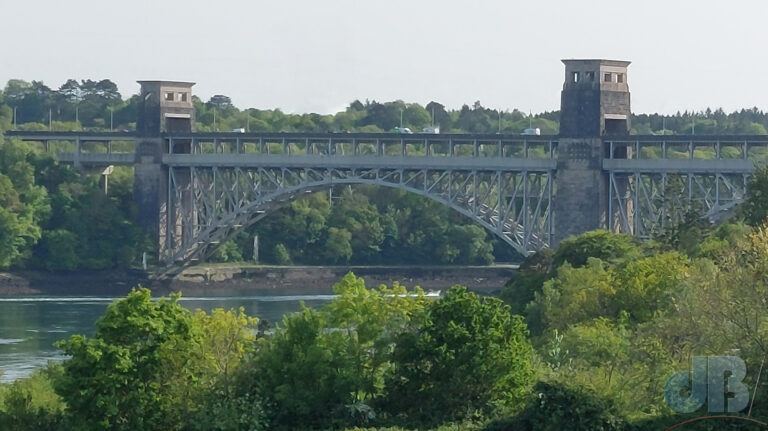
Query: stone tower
595	99
594	105
165	108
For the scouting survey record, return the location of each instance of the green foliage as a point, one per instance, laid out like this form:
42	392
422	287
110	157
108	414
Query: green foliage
644	286
227	252
326	368
471	356
575	295
23	205
599	244
560	407
528	280
225	401
307	374
281	255
133	373
31	404
756	206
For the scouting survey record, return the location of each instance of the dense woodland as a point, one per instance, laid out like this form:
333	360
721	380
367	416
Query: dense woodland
584	337
53	218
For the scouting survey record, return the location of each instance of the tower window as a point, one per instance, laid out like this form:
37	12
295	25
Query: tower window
619	77
591	76
575	76
169	96
181	97
607	77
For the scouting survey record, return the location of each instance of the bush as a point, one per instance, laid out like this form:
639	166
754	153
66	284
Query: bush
133	373
31	404
555	406
601	244
472	357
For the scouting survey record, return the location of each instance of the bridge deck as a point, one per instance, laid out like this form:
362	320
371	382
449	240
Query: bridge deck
634	153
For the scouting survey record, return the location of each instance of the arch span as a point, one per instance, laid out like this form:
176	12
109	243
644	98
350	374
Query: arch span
211	204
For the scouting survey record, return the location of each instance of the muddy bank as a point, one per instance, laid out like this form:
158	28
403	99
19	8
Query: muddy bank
222	280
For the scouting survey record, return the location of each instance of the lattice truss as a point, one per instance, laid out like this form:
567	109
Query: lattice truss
645	204
208	205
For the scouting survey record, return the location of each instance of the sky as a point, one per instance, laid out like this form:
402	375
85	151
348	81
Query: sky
320	55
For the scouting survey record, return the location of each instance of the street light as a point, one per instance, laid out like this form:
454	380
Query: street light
107	171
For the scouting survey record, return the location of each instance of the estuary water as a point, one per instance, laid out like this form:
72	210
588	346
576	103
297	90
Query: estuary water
29	326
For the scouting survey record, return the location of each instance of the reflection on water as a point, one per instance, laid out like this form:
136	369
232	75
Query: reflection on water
30	325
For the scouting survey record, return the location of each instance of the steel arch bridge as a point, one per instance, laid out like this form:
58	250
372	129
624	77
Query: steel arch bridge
214	195
514	186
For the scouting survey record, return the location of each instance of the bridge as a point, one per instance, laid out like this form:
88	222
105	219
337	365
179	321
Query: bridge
195	190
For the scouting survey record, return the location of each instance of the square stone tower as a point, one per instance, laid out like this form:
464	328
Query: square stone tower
165	107
595	104
595	99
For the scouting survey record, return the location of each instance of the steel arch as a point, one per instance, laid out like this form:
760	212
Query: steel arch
211	204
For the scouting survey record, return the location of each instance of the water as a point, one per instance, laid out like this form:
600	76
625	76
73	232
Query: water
30	325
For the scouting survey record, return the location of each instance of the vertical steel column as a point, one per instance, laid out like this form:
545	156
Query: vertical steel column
550	212
78	149
169	231
636	208
611	184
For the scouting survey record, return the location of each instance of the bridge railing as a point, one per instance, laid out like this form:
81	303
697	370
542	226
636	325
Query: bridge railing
357	144
690	147
90	148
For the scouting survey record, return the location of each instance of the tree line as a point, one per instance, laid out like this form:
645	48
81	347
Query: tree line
98	105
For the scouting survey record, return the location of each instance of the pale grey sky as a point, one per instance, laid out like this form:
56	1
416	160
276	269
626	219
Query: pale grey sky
319	55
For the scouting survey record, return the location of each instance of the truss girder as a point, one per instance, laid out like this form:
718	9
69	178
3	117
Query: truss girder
644	204
208	205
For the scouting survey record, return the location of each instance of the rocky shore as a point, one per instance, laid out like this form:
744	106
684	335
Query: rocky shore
224	280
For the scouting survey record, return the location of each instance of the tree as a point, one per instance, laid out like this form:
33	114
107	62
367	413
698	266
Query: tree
601	244
556	406
337	246
326	368
23	205
225	401
132	373
471	355
645	286
31	404
575	295
756	205
307	372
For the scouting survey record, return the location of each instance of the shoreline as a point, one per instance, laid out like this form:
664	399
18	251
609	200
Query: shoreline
233	280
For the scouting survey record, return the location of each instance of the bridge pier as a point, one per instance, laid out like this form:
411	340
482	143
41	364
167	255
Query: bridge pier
581	195
595	105
150	187
165	108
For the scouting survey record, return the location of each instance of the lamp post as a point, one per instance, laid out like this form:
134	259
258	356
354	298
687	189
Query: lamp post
105	174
